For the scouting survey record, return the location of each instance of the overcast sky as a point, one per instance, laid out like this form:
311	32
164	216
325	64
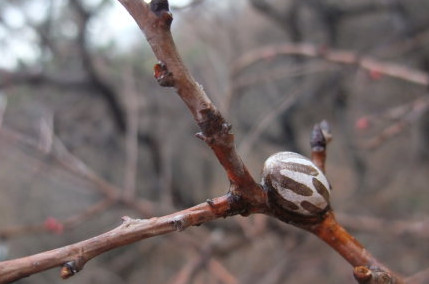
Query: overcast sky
114	25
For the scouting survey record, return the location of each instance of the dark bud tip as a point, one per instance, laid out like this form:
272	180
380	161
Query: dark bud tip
317	140
159	6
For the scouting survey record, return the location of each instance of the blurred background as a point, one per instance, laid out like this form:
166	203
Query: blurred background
83	121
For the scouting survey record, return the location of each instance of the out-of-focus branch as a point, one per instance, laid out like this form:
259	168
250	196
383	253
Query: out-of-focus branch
418	229
400	118
101	84
3	105
13	78
205	258
221	272
421	277
256	131
330	15
194	265
131	137
76	166
335	56
66	224
281	73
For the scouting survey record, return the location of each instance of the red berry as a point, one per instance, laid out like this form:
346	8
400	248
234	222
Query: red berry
53	225
362	123
375	75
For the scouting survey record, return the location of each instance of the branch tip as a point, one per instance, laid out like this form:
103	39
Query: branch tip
158	6
317	139
320	136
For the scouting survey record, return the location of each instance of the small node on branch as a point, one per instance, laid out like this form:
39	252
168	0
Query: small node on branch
226	127
362	274
162	75
210	202
125	219
204	138
372	275
213	123
68	269
179	223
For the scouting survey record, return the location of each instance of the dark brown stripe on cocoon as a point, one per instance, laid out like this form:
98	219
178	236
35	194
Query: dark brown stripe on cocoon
286	204
300	168
299	188
310	207
321	189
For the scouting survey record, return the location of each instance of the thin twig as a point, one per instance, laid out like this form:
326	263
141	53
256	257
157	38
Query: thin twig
401	117
252	136
67	224
333	55
421	277
417	229
3	105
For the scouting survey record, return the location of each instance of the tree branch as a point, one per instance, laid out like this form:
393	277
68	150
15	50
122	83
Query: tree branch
245	195
155	20
335	56
74	257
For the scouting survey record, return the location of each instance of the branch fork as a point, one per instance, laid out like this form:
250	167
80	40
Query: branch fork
245	196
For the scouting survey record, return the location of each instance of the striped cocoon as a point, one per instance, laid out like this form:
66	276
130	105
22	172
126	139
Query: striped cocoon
297	185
